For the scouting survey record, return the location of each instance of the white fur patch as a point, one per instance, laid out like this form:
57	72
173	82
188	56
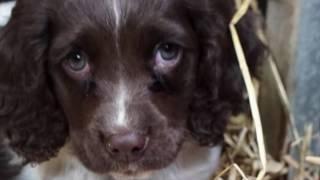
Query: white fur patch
64	167
117	20
121	100
193	162
117	12
5	12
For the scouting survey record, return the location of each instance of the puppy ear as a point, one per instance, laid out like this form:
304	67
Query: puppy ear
220	88
29	112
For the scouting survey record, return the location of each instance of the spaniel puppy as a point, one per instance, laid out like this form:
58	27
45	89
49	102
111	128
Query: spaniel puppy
128	89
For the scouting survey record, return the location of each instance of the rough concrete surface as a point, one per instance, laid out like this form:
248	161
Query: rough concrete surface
306	97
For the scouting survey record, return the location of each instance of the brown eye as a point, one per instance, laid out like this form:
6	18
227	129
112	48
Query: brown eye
76	61
168	51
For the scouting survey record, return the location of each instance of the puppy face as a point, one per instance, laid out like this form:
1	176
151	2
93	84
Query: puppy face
124	73
126	82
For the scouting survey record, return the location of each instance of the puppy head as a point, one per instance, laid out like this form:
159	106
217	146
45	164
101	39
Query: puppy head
124	74
131	80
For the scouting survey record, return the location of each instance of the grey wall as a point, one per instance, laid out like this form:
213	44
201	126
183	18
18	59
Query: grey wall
306	98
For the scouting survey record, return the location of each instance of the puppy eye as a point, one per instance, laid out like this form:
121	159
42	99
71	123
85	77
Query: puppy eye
76	65
76	61
168	52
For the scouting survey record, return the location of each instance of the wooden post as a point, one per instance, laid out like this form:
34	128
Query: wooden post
281	33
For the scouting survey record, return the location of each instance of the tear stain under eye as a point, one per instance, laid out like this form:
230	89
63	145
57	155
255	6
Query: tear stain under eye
88	86
160	84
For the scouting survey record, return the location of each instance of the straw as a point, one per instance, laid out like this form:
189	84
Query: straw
249	85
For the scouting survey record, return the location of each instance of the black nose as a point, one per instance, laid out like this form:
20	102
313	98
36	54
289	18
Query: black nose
128	146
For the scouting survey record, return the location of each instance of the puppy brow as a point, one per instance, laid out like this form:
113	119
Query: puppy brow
176	32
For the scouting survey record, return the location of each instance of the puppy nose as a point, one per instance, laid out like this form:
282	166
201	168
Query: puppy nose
129	146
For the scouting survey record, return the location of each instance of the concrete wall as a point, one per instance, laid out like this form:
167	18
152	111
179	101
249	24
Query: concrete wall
306	96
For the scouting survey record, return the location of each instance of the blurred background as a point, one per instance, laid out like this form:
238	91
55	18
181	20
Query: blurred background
292	28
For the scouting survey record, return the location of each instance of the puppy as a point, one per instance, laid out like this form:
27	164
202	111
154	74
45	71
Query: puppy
131	89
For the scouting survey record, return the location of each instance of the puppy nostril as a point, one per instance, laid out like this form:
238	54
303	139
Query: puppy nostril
129	145
136	150
101	137
115	151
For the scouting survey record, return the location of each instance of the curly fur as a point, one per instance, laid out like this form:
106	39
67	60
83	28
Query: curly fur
29	113
33	118
220	87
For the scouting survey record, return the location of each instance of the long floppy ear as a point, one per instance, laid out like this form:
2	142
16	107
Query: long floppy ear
220	88
29	112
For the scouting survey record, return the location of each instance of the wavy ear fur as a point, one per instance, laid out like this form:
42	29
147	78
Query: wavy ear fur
220	88
29	112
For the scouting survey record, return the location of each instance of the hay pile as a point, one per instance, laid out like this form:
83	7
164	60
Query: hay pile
241	158
244	154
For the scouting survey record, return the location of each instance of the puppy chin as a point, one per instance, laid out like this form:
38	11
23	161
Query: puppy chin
132	176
